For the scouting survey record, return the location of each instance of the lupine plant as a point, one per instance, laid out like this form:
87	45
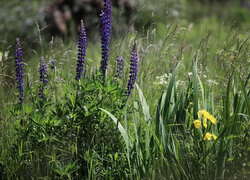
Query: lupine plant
19	70
105	29
133	71
43	76
82	43
119	67
52	66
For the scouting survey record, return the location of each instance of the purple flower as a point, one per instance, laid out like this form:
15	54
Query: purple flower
82	42
19	70
105	28
133	70
43	71
52	65
43	75
119	67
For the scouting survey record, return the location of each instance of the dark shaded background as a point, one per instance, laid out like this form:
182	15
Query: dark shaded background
61	17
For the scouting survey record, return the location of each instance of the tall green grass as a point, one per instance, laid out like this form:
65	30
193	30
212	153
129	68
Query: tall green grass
90	130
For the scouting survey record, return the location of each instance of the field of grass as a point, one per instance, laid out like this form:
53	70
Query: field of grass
187	116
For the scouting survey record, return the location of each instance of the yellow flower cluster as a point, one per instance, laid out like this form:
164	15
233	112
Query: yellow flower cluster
209	136
206	116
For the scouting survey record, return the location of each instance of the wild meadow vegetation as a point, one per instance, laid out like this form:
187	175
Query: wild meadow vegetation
166	100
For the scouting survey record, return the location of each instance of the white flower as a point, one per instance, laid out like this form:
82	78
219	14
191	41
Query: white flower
190	74
213	82
162	80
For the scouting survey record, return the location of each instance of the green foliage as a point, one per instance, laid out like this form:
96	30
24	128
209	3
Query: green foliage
88	129
62	135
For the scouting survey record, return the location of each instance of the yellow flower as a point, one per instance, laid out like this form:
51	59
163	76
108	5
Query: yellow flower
212	119
204	112
206	117
205	123
197	123
209	136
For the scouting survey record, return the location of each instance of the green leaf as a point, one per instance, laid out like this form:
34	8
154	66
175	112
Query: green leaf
144	105
243	88
195	90
116	156
120	127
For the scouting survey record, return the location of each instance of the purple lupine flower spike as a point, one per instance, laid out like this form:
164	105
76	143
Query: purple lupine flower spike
133	70
82	43
19	70
43	75
105	28
43	71
52	65
119	67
